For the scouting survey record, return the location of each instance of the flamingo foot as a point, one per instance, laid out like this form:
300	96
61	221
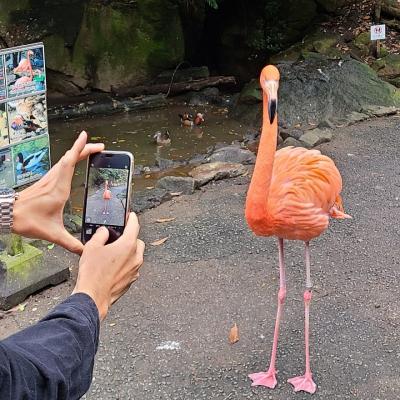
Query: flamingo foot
267	379
304	383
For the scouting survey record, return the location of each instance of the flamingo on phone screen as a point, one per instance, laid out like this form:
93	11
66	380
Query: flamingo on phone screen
293	193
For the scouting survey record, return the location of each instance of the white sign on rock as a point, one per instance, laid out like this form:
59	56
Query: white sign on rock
378	32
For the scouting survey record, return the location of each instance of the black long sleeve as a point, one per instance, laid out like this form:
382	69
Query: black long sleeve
53	359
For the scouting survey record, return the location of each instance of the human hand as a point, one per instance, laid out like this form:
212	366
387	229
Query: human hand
38	211
107	271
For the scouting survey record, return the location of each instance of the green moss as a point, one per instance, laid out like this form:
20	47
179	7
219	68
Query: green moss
119	46
21	261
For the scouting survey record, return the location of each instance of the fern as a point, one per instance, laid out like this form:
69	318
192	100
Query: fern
212	3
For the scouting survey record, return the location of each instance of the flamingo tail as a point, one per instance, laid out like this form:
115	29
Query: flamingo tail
337	211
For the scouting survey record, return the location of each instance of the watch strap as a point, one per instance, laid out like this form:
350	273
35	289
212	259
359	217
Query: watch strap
6	216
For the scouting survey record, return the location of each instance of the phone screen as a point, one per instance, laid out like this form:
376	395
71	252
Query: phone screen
107	194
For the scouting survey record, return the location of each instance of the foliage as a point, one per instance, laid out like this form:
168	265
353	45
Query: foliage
113	175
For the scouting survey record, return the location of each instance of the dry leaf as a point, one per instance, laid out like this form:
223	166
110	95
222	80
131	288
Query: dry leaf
234	334
161	220
173	194
149	187
161	241
113	324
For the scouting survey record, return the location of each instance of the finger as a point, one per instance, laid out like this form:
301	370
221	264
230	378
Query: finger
90	148
100	237
71	157
140	246
69	242
132	228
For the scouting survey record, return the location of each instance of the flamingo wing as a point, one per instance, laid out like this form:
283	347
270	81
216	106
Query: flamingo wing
304	188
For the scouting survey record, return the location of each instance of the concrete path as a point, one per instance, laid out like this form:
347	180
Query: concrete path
167	338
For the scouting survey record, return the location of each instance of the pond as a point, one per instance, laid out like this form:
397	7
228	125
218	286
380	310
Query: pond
134	131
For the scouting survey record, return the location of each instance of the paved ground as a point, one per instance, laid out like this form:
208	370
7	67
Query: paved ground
212	272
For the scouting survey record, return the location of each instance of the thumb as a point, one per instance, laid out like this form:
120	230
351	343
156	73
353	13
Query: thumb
69	242
101	236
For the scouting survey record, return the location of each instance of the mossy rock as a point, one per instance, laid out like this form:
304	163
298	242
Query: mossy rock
388	67
325	43
363	39
251	93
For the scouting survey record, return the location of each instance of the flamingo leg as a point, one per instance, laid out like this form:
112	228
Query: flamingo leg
268	378
305	382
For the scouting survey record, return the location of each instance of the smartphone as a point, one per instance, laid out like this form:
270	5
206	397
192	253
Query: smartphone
107	193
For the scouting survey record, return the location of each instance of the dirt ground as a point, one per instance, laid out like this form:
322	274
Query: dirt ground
167	338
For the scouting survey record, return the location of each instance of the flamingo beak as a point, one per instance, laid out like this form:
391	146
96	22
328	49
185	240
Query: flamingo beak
271	87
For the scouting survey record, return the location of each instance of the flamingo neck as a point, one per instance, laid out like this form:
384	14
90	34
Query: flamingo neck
257	197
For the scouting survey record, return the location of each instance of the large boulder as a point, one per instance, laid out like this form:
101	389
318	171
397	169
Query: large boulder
97	44
314	90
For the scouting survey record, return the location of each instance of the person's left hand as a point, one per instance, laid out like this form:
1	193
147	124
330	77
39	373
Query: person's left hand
38	212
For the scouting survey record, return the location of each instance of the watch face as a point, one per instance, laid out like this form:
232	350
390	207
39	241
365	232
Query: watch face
6	192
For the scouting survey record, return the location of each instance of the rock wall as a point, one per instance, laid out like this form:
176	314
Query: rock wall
98	44
105	44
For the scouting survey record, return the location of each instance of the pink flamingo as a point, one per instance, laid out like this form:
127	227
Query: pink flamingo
106	197
292	194
24	64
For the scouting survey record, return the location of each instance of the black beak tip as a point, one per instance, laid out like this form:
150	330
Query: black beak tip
272	108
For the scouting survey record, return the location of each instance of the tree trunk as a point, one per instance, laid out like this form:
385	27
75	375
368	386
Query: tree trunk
175	88
391	7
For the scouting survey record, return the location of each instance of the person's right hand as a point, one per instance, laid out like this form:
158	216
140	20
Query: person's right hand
107	271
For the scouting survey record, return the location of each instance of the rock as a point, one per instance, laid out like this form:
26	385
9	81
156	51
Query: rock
73	223
196	99
104	43
216	171
211	93
176	184
316	90
198	159
315	137
164	163
147	199
295	133
232	154
388	67
251	93
379	111
291	142
326	123
355	117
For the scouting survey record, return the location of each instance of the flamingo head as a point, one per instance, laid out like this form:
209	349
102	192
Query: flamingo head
29	53
269	81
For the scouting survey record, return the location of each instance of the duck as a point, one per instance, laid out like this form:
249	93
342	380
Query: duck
31	162
162	138
186	119
20	123
199	119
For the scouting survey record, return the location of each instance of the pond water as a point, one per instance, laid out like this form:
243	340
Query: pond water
134	131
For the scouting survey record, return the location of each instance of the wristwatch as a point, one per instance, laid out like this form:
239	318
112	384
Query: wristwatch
7	199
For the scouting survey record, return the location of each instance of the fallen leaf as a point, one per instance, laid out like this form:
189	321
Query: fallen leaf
95	138
161	241
162	220
174	194
234	334
149	187
113	324
20	307
50	246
